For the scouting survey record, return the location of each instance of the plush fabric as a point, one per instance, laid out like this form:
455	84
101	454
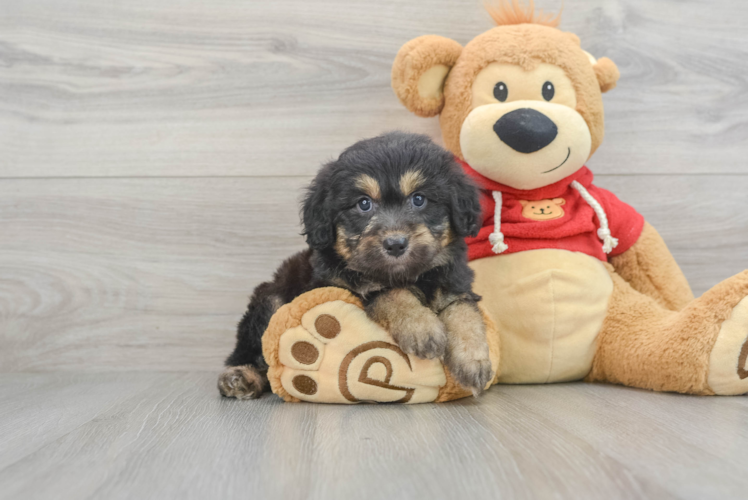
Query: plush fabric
643	344
650	269
575	230
549	306
728	376
322	348
524	45
414	60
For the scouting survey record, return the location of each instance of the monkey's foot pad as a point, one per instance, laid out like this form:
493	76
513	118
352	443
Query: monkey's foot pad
323	348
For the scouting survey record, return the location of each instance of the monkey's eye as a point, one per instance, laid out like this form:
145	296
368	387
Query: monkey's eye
500	91
365	204
548	91
418	200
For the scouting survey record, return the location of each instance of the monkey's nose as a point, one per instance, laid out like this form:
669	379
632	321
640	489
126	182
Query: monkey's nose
395	245
525	130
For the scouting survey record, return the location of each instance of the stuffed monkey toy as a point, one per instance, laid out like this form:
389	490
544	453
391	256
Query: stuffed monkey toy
576	285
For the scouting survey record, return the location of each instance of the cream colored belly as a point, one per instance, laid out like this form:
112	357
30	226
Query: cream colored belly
549	306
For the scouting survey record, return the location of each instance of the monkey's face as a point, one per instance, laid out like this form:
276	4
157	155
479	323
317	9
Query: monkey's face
521	103
523	129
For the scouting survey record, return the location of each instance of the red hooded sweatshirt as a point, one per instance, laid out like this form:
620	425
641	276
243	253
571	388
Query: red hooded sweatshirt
565	220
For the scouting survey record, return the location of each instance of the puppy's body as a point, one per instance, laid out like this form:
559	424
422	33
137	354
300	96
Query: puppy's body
385	221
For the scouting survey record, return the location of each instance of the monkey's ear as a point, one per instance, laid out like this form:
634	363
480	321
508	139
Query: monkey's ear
523	202
419	72
559	201
606	72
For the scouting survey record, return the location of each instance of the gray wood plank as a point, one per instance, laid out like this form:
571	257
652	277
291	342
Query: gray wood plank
36	409
157	268
185	87
663	438
153	274
178	438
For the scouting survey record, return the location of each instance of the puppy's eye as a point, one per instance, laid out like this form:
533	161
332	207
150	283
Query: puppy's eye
418	200
364	204
500	91
548	91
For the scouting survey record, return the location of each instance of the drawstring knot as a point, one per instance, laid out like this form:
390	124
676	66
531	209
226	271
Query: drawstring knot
609	242
497	242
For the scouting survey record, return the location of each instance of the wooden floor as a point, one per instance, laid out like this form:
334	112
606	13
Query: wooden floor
157	436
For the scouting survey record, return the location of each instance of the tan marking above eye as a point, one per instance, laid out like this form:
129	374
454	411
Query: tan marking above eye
369	186
410	181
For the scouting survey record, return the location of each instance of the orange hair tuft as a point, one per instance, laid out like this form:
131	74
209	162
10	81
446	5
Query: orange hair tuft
505	12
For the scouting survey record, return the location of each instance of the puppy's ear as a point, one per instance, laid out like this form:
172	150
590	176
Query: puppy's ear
316	213
465	205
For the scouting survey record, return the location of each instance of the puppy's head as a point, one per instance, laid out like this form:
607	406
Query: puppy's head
391	207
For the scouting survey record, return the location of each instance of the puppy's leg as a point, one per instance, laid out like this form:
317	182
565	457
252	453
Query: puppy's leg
415	328
467	348
245	376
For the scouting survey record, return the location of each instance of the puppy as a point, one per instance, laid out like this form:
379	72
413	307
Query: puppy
386	221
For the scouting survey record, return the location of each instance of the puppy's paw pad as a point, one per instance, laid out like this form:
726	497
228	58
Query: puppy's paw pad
473	374
338	355
241	382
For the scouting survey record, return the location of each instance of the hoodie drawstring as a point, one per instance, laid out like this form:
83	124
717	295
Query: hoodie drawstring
497	237
609	242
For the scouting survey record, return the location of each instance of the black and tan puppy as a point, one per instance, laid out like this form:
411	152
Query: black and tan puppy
386	221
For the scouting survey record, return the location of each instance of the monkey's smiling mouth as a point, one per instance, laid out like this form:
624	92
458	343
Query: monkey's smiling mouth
562	163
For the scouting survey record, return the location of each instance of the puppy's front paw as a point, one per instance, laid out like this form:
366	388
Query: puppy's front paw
472	369
242	382
420	333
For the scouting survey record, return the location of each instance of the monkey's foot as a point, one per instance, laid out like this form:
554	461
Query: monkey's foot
323	348
728	361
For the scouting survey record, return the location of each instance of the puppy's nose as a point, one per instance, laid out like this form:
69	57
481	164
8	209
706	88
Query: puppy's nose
395	245
525	130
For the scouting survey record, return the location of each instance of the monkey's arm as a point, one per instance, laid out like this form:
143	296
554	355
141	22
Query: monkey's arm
650	269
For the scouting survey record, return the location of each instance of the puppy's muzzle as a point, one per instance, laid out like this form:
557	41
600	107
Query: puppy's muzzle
395	245
525	130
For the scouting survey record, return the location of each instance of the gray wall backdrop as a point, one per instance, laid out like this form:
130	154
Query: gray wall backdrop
152	152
